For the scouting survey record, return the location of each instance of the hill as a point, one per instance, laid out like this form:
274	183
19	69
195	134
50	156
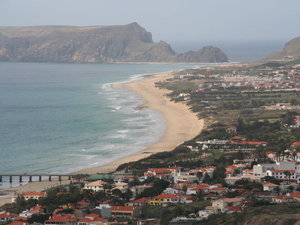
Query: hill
291	49
93	44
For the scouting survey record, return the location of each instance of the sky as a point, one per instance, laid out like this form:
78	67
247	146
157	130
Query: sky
174	21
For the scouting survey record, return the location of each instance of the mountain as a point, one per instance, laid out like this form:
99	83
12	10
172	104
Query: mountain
93	44
291	49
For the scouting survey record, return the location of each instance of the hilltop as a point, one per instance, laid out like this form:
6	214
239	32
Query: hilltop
94	44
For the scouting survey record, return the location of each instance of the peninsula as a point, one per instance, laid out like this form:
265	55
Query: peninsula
94	44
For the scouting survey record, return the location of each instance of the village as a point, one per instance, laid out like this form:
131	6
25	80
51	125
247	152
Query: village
249	158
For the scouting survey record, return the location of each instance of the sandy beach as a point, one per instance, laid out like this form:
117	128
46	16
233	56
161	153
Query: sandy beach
181	125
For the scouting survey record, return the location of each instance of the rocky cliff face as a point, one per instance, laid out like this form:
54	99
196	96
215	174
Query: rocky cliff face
96	44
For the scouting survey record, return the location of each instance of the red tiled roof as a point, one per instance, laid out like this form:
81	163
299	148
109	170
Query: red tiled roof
228	172
100	219
140	200
235	209
123	208
91	215
231	128
17	223
231	167
237	137
219	189
22	218
8	215
248	170
85	220
283	197
33	193
297	143
159	170
269	184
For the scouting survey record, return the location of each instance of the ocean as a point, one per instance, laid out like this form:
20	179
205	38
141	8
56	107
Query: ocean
60	118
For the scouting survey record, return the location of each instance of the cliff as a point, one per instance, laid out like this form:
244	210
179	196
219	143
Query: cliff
93	44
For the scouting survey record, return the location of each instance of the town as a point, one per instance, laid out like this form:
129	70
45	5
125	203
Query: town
247	156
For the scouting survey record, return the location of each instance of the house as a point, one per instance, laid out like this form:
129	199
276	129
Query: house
267	186
283	199
218	190
28	213
201	187
95	185
7	216
18	223
165	199
105	210
138	202
92	219
234	209
185	178
61	220
247	172
222	205
125	211
33	195
229	173
282	174
122	186
138	189
231	129
161	173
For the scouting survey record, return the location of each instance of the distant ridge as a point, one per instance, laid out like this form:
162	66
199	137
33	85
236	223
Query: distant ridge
94	44
291	49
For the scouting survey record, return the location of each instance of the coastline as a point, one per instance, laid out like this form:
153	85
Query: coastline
181	125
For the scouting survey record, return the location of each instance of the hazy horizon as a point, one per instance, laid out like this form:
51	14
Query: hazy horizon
169	20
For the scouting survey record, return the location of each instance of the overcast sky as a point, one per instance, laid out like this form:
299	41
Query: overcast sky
169	20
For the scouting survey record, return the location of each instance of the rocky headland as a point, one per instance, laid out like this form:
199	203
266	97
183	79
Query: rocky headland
94	44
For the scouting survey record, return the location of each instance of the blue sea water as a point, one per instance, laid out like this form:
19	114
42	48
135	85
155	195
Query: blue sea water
59	118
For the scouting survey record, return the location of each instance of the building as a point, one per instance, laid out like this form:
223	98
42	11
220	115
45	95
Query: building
267	186
95	185
161	173
61	220
125	211
7	216
165	199
92	219
33	195
138	202
105	210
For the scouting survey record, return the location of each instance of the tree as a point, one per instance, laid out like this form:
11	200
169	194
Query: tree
287	174
199	175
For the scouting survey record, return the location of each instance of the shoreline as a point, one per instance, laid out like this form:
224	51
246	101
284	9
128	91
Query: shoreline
181	125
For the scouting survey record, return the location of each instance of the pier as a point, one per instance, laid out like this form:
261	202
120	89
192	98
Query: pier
39	176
